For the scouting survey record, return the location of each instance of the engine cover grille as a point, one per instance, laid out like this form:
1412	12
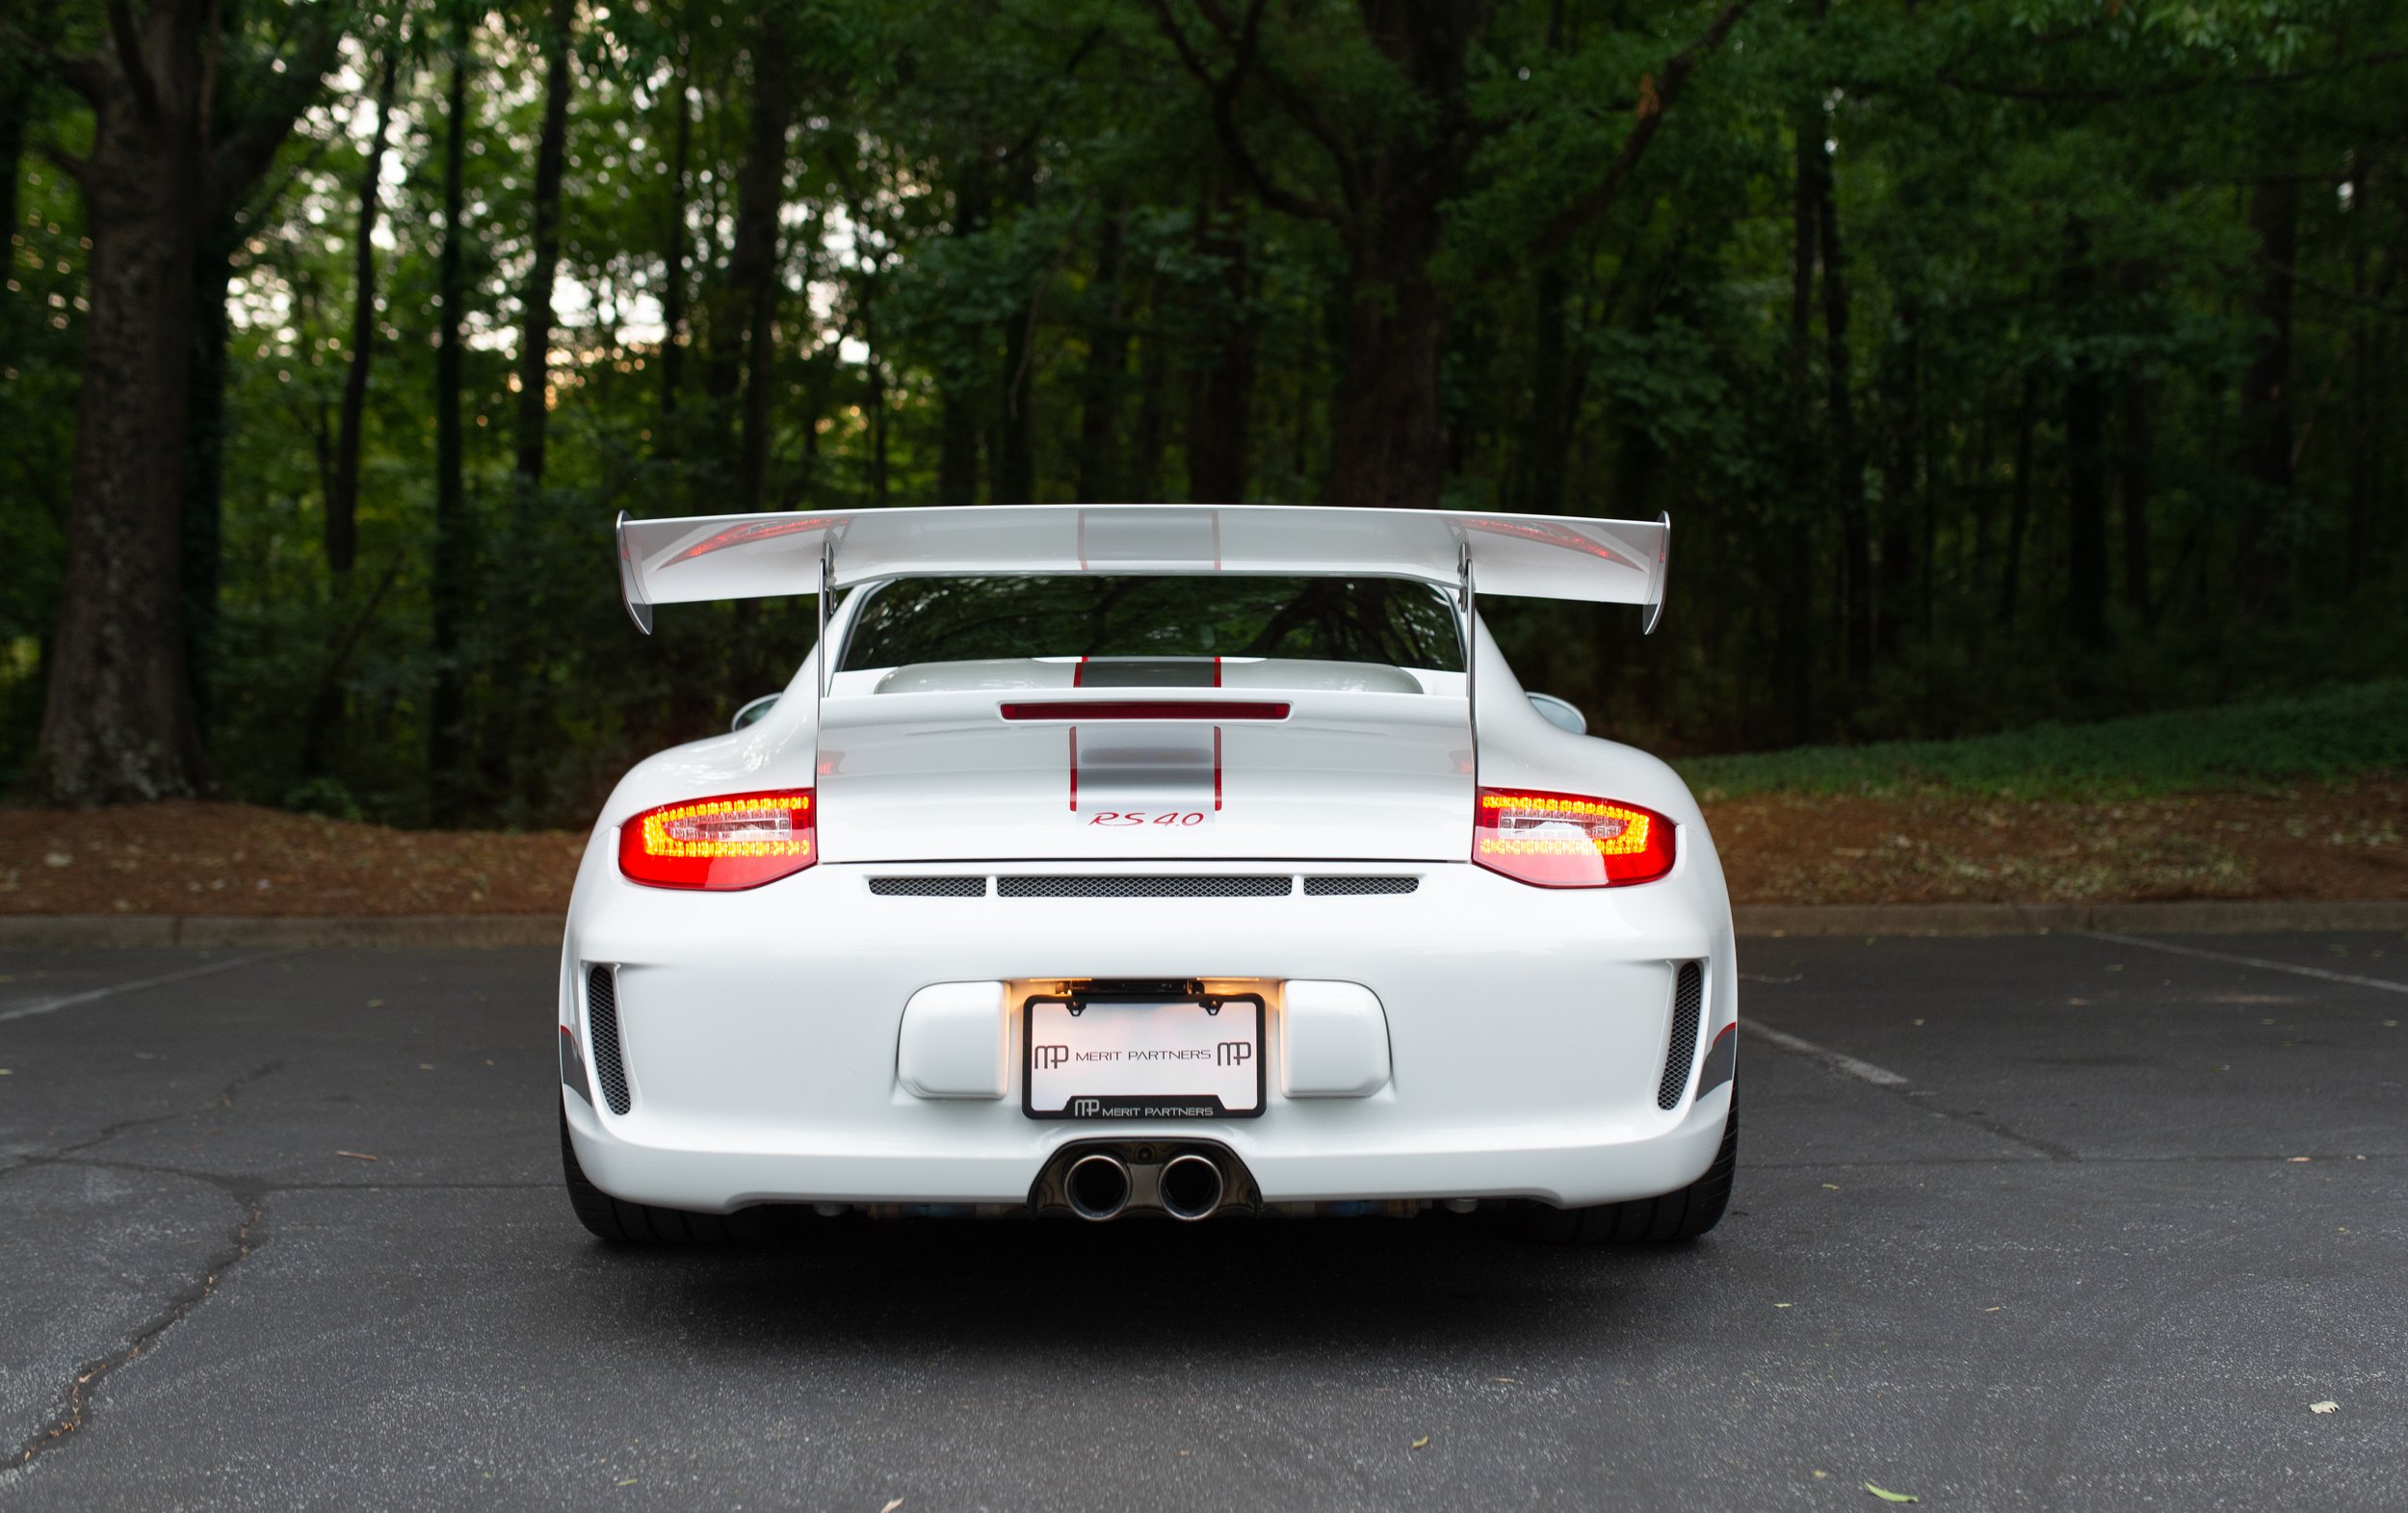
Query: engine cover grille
610	1071
1338	887
1688	999
1144	886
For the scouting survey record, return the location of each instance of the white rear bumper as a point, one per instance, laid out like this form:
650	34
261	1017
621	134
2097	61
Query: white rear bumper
1528	1032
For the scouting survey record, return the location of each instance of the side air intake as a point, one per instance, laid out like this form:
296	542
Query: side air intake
610	1071
1688	999
929	887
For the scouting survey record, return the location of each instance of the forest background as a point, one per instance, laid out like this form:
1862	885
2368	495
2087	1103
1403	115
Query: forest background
1998	361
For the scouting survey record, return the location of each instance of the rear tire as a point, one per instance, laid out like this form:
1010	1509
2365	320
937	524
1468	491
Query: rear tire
624	1223
1678	1216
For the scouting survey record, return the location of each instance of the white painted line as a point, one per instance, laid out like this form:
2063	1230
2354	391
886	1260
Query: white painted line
51	1006
1862	1070
2380	984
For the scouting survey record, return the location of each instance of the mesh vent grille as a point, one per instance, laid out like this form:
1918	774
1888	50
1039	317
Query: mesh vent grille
1332	887
929	887
1688	997
1144	887
602	1037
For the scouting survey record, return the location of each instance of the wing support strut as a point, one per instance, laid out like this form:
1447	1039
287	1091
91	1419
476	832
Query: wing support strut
1470	651
1662	567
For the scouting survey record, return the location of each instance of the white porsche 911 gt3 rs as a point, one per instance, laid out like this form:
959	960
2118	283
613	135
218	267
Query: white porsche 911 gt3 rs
1148	859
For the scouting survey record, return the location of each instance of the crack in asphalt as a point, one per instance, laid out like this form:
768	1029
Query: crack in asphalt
246	1236
110	1132
252	1199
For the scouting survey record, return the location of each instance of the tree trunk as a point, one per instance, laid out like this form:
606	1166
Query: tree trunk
18	80
2363	545
1014	481
204	463
673	265
1847	477
1107	373
1900	514
2266	407
958	452
1149	436
1546	424
1794	570
450	588
2085	455
117	718
1221	421
535	335
1388	447
2133	485
343	496
957	443
2019	511
874	367
753	270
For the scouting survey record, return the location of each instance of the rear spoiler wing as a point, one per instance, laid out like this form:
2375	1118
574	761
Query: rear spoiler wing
771	556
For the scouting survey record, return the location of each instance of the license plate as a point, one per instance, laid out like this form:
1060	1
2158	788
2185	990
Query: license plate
1144	1058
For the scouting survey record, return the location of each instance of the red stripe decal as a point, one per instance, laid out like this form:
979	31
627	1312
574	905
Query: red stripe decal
1216	659
1074	770
1078	674
1145	709
1216	766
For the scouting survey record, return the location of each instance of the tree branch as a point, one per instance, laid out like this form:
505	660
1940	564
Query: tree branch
1653	102
2156	92
1224	94
238	161
67	163
137	68
1298	107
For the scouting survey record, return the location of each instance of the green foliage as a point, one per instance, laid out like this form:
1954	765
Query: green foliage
2351	731
2033	200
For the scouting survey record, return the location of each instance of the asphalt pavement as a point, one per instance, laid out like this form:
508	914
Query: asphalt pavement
2054	1222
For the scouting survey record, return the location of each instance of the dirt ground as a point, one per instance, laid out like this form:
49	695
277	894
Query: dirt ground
2341	842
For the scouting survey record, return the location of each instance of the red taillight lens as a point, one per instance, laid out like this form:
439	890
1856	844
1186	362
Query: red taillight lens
1565	841
734	841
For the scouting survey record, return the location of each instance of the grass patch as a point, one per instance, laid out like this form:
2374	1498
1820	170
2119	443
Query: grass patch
2337	733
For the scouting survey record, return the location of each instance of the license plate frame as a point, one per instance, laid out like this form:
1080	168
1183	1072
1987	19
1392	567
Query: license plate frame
1096	1107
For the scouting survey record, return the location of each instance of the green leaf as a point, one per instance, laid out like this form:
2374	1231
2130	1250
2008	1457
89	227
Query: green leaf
1886	1496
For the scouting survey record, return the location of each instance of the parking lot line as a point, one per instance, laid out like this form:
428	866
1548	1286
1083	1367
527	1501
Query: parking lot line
49	1006
1862	1070
2383	983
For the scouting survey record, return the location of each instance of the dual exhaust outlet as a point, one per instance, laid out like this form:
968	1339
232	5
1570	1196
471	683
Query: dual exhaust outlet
1099	1187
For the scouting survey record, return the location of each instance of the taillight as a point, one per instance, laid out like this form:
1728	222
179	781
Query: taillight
734	841
1565	841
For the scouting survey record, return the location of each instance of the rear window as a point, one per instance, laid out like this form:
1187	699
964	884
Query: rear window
1386	621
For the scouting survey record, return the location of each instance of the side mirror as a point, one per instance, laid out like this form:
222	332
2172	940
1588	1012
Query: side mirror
761	706
1562	714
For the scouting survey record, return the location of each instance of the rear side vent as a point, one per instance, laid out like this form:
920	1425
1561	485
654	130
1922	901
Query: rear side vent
929	887
1143	886
1334	887
1688	997
610	1071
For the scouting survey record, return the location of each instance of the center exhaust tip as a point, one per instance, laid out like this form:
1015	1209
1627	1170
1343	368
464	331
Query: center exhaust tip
1192	1187
1097	1187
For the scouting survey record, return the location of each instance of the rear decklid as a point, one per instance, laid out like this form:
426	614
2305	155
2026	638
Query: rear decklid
960	760
1023	765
